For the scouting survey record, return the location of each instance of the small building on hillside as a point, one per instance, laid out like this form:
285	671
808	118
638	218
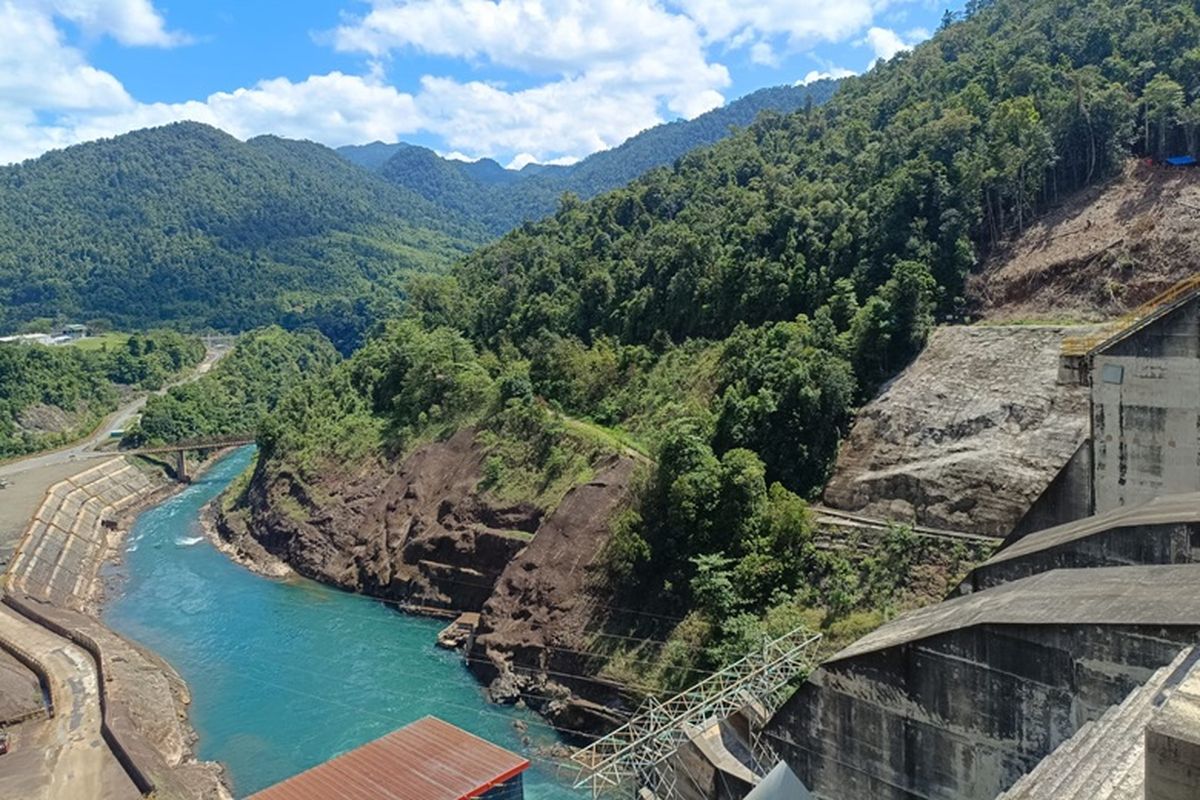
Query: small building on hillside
427	760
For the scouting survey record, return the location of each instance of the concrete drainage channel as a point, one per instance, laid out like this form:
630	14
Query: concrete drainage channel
55	567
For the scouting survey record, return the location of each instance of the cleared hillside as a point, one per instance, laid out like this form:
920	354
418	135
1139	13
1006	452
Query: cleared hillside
1101	253
968	436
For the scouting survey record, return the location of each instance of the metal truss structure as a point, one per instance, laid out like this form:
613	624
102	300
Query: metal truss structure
632	757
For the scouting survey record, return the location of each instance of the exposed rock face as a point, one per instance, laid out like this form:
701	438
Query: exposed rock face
968	436
532	631
421	531
416	531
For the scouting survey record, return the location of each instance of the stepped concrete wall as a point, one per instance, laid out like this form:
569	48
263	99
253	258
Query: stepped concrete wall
1172	743
961	716
1165	530
1105	759
58	558
1145	427
1066	499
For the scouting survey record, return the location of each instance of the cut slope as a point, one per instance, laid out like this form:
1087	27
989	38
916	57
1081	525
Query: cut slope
968	436
1105	251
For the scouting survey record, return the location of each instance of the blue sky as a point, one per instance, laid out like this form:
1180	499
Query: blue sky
515	80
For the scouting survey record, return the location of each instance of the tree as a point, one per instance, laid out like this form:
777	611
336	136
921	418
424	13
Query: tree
1162	99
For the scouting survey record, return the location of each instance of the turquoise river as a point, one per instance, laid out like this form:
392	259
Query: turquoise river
285	674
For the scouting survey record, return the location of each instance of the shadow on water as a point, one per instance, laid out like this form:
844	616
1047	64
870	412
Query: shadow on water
286	674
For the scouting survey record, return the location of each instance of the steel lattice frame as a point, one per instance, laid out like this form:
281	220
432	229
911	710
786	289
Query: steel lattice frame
637	749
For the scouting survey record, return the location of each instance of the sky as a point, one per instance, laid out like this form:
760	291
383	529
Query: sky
515	80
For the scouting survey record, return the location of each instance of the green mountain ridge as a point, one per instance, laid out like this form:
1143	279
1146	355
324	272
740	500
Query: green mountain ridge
187	225
503	198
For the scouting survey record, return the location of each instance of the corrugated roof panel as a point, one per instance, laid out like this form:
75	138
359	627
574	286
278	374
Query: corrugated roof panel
427	760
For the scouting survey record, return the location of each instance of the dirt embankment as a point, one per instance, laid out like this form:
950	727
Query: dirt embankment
424	532
531	642
418	531
1103	252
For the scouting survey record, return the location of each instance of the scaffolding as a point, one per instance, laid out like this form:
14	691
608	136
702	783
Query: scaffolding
632	757
1084	345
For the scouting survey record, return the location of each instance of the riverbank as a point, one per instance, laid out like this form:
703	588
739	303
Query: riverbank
286	673
138	701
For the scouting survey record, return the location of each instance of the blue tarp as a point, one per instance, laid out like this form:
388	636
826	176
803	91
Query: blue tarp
1181	161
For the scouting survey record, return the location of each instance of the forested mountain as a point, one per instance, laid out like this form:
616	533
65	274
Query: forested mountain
501	199
187	225
728	312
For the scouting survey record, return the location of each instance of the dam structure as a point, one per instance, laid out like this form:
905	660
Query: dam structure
1064	666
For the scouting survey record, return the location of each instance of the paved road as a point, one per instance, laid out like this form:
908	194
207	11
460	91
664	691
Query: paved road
87	448
63	758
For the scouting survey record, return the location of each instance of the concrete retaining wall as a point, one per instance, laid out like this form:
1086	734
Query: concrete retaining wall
57	561
1066	499
65	543
140	779
960	716
1167	543
1145	430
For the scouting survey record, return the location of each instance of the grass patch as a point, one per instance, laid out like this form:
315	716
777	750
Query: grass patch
535	455
613	439
112	342
235	493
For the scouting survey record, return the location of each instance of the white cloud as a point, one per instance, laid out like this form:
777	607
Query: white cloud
612	69
130	22
800	22
763	53
886	43
524	159
335	109
820	75
595	71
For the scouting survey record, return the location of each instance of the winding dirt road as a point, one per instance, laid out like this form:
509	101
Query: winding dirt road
64	757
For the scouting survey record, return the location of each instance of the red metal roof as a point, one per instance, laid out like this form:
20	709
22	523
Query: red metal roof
427	760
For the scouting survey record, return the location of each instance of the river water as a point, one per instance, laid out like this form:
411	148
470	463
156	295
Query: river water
288	673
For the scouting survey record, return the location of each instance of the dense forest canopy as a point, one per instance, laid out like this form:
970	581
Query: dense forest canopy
501	199
728	312
187	225
49	395
239	391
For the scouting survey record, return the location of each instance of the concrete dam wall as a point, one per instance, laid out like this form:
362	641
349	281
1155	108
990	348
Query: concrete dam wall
959	700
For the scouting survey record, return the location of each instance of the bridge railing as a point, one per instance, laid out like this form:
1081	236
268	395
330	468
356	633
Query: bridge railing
199	443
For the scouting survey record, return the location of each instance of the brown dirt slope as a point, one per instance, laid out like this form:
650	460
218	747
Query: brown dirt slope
416	531
422	531
966	437
1105	251
532	632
